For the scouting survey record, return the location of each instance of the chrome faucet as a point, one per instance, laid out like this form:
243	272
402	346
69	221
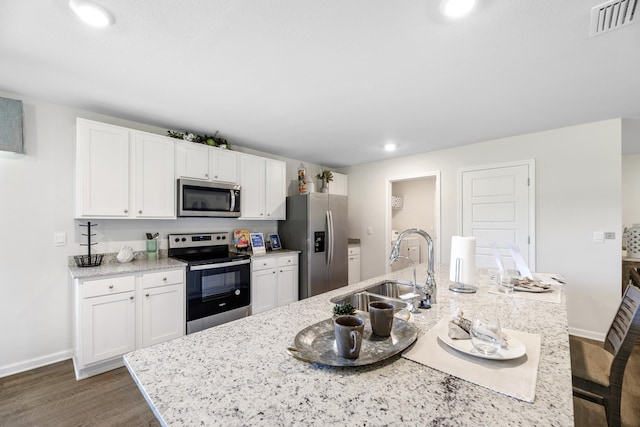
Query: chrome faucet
429	288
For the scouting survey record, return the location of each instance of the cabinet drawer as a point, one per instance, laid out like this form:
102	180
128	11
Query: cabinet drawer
287	260
114	285
354	250
162	278
262	263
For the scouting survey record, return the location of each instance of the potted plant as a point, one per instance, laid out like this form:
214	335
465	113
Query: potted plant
326	176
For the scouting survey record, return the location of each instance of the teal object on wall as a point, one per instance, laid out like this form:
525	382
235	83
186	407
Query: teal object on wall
11	125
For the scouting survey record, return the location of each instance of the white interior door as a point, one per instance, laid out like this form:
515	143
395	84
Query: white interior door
497	205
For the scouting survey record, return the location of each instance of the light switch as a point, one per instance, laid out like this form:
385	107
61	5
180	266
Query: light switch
59	238
598	236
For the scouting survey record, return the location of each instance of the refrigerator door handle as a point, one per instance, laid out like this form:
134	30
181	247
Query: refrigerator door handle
330	238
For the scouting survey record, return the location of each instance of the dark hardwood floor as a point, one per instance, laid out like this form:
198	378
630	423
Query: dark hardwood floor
50	397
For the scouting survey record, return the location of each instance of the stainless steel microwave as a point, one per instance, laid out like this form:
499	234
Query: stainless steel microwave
208	199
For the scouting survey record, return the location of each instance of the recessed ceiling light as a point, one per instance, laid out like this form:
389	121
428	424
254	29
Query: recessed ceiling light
91	13
456	8
390	146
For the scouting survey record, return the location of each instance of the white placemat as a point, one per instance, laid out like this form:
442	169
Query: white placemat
516	378
553	296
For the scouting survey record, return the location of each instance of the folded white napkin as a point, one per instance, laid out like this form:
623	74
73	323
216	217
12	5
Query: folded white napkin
516	378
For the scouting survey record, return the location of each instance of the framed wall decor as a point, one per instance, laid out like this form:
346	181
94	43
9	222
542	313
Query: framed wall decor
274	239
257	243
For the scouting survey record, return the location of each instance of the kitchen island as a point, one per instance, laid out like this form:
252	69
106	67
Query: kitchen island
240	373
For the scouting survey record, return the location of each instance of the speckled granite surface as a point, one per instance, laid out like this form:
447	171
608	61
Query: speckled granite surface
110	266
239	374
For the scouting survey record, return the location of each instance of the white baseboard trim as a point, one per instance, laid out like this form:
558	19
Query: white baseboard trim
37	362
583	333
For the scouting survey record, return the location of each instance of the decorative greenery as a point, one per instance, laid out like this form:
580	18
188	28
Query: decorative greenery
213	140
344	309
325	175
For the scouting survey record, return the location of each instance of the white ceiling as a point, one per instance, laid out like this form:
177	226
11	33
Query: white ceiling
327	81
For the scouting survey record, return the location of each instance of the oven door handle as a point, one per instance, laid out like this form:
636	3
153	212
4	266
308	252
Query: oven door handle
220	265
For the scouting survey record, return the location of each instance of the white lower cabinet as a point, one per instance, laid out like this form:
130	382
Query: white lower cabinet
163	307
108	322
116	315
274	281
354	264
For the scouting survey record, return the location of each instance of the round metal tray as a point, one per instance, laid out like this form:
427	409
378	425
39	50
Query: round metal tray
317	343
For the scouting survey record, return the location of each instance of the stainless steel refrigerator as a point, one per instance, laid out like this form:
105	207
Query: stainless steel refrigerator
316	224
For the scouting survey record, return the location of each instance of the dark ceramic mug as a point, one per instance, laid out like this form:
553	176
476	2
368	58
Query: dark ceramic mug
348	330
381	315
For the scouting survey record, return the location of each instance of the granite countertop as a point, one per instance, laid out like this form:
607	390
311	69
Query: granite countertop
275	253
110	266
239	373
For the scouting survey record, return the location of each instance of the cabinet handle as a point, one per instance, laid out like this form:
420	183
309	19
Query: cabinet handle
147	295
139	212
215	176
110	286
274	272
130	297
206	175
126	211
164	278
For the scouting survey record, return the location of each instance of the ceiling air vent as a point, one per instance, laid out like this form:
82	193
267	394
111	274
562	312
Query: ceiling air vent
612	15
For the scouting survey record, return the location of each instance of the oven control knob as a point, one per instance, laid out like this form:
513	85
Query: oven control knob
184	239
224	237
177	239
237	291
217	237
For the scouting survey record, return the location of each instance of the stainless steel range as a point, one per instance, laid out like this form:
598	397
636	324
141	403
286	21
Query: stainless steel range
218	281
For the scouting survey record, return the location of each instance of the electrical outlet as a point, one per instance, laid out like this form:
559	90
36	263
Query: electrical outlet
369	230
609	235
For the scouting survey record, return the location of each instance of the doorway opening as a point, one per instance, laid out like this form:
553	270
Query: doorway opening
412	201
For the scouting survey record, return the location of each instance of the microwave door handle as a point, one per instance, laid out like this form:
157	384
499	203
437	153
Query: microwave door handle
233	201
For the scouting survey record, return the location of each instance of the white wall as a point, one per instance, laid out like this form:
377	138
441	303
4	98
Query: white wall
631	189
36	192
578	192
418	210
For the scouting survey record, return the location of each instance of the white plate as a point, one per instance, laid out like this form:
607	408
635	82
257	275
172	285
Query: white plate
535	289
516	347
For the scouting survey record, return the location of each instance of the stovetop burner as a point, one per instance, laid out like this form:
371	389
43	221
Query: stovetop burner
203	248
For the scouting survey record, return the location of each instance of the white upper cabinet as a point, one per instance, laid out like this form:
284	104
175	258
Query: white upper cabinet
224	165
192	160
102	170
155	184
122	173
339	184
263	188
275	189
200	161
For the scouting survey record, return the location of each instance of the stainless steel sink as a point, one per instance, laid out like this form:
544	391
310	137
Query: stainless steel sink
391	288
386	291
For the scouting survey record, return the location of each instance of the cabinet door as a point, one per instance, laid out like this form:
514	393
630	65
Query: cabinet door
252	170
264	290
102	170
108	326
275	189
287	285
162	314
192	160
224	165
155	184
339	184
354	269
